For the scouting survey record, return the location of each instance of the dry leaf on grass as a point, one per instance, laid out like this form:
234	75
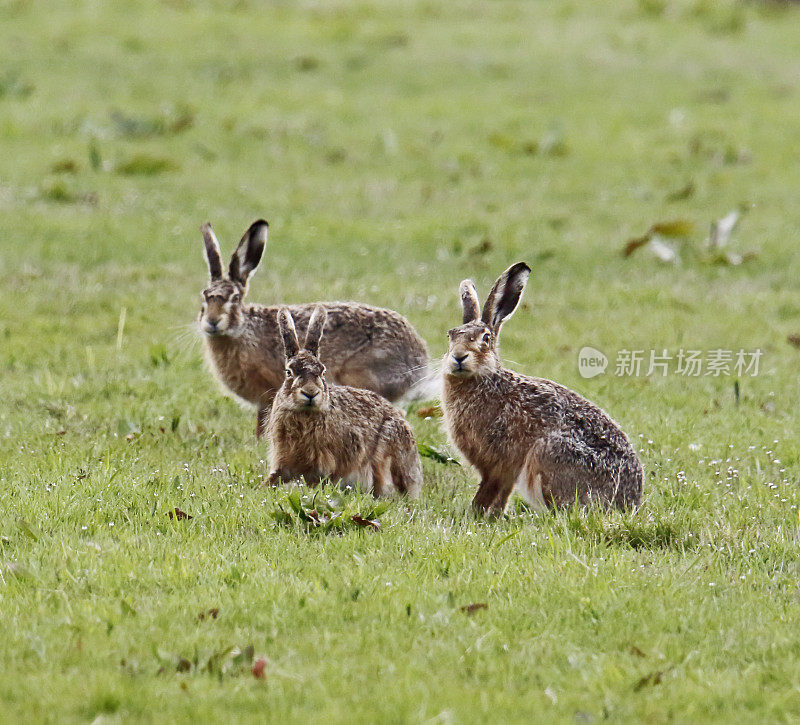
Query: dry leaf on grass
366	523
430	411
650	679
671	229
212	613
722	229
684	192
719	236
663	251
259	668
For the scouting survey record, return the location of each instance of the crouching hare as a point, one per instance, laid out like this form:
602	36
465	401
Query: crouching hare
366	347
542	439
346	434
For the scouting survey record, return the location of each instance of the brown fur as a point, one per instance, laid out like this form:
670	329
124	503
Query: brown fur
364	347
552	445
350	435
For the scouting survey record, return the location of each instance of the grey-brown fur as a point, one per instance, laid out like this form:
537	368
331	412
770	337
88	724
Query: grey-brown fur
347	434
365	347
552	445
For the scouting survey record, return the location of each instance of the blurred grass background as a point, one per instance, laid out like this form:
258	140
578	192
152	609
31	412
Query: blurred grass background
395	148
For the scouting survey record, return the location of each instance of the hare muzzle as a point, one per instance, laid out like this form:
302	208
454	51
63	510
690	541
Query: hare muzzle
309	396
458	361
220	312
215	318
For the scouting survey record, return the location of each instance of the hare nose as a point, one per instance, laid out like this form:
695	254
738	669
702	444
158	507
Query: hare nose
309	396
460	358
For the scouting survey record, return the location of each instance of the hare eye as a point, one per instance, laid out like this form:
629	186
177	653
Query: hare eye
288	373
486	338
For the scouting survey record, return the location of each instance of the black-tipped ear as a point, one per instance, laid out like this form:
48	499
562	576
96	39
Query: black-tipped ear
315	327
470	305
212	252
505	296
288	333
248	254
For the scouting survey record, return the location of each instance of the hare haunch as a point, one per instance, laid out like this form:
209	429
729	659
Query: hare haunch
349	435
365	347
533	435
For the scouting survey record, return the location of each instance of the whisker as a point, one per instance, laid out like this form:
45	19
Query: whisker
185	337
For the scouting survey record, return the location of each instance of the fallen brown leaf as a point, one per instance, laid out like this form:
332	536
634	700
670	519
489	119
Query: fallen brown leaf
430	411
370	523
794	340
176	513
472	608
212	613
259	668
316	517
653	678
733	259
633	244
673	228
683	193
482	247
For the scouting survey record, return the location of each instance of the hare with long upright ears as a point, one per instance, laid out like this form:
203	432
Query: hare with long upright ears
319	431
542	439
366	347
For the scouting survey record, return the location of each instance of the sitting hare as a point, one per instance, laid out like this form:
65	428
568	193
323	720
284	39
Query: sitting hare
366	347
555	447
346	434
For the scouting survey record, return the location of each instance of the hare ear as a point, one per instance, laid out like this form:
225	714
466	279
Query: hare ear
315	327
248	254
505	296
212	252
288	333
469	301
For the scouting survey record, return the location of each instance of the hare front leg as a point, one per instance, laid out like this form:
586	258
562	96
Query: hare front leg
278	476
381	478
501	498
486	494
315	479
493	493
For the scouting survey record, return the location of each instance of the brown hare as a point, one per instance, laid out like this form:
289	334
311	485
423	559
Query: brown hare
349	435
533	435
366	347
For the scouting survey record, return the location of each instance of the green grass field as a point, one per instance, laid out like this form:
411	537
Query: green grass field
396	148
